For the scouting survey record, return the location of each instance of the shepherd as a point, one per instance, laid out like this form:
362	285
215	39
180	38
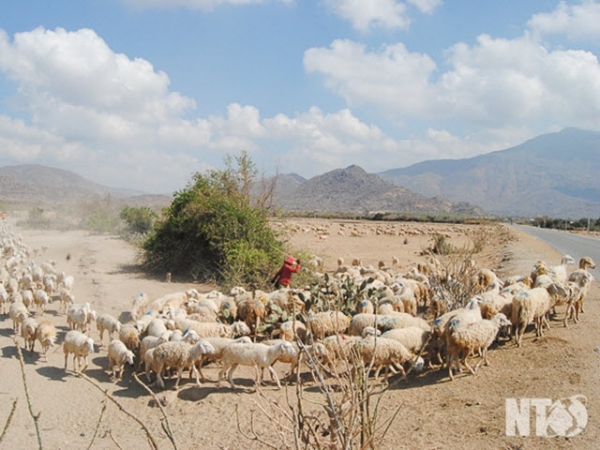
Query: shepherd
284	276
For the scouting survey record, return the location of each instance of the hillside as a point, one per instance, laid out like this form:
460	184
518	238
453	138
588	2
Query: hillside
553	174
33	184
354	190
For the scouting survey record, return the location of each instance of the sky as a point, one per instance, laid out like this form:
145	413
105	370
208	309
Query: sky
142	94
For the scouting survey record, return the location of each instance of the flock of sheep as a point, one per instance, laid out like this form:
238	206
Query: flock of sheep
384	331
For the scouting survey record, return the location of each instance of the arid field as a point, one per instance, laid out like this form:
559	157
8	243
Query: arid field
434	413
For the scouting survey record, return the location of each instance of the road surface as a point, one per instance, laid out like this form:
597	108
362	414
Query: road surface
568	244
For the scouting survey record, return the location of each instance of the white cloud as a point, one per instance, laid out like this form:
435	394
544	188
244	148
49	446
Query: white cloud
575	21
496	82
425	6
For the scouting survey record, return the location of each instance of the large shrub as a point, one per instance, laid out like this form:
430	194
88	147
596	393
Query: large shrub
216	229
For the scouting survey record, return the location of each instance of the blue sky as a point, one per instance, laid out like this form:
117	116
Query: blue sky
143	93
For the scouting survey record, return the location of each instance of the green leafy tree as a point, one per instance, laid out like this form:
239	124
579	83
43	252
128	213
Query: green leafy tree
217	229
138	219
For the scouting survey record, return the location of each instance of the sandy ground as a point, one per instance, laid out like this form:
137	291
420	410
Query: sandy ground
435	413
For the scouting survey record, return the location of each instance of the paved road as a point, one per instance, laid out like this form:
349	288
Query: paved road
568	244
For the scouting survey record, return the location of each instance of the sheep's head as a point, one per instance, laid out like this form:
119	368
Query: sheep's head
419	364
240	328
587	262
129	356
203	347
90	345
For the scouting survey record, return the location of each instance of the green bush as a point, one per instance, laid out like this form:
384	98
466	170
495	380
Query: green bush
216	230
138	219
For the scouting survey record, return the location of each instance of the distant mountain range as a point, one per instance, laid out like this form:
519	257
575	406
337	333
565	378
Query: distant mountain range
556	174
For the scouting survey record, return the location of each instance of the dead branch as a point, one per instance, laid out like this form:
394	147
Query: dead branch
9	419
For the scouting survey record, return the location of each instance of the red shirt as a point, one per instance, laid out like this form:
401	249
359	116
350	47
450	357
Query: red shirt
284	276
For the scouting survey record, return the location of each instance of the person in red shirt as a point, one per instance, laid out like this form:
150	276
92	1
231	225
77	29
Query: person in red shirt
284	276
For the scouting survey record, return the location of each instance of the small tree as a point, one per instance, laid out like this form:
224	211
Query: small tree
138	220
215	230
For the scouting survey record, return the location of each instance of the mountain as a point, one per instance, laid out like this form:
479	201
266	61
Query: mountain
354	190
33	184
554	174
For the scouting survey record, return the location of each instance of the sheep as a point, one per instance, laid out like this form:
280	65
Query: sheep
326	323
118	355
28	328
18	313
585	263
66	299
413	338
45	333
380	352
316	350
218	344
149	342
140	303
79	316
365	307
216	329
130	336
533	306
402	320
255	354
577	291
80	345
108	323
360	321
465	339
156	327
27	298
252	312
291	330
3	297
177	355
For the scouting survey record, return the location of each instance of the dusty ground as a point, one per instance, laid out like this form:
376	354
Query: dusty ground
468	413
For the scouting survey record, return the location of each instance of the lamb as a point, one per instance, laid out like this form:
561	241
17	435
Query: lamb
258	355
327	323
580	275
28	328
213	329
45	333
177	355
533	306
291	330
108	323
80	345
118	355
577	290
464	340
18	313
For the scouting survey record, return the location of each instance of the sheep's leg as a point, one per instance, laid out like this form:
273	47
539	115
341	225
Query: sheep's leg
179	374
85	360
196	375
464	361
66	358
233	367
274	374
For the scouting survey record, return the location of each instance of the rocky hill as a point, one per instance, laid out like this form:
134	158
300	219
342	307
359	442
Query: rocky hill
354	190
554	174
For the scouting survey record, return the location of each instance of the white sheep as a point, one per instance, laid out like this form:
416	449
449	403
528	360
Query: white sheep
80	346
326	323
402	320
533	306
213	329
66	299
477	336
413	338
218	344
108	323
314	351
384	353
79	317
291	330
45	334
118	356
176	355
149	342
360	321
18	313
258	355
28	328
